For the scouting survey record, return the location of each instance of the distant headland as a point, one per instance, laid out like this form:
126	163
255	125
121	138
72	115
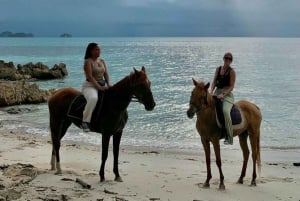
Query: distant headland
11	34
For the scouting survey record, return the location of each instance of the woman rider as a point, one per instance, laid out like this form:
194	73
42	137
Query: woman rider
96	77
222	87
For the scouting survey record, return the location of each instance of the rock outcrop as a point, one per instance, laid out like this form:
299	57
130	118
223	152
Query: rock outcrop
8	71
22	92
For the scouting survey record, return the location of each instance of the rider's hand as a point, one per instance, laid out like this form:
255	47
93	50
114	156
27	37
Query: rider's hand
102	88
220	96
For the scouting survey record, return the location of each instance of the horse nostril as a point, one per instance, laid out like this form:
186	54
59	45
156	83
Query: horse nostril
154	104
190	114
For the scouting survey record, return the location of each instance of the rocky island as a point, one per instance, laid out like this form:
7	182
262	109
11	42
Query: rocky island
11	34
65	35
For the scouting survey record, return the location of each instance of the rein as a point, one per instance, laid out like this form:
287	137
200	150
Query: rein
135	99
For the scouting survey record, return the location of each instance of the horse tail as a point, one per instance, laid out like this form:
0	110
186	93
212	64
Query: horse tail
258	161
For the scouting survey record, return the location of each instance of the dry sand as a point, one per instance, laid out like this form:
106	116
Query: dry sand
148	173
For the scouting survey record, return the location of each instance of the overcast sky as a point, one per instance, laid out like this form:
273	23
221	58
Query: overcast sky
152	17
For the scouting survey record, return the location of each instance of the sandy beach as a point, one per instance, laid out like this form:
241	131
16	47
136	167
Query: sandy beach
148	173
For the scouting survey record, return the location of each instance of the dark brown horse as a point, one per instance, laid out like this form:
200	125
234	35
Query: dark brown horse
114	112
203	104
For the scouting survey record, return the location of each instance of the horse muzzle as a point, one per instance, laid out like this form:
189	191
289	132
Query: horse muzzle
190	113
150	107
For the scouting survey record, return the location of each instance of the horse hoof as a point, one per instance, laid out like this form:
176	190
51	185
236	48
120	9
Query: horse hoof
58	172
222	187
119	179
205	185
102	179
240	181
253	183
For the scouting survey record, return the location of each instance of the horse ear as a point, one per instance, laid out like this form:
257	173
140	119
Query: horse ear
135	70
195	82
207	86
143	69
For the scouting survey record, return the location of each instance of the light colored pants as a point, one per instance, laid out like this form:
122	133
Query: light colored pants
91	95
228	101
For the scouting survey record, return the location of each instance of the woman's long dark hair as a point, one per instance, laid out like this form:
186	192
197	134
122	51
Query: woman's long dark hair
89	48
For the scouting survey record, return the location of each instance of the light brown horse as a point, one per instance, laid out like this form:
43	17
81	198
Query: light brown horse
113	115
203	104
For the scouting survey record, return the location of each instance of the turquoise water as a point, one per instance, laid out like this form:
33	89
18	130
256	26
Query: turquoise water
268	74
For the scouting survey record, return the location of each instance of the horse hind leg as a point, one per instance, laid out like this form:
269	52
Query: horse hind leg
244	146
54	135
57	133
254	141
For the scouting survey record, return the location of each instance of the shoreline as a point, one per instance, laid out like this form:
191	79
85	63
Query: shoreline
148	172
9	121
46	133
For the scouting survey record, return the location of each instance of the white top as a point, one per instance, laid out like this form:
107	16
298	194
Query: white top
98	69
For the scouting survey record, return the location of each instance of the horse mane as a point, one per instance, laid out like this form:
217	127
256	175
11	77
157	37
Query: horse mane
210	99
119	86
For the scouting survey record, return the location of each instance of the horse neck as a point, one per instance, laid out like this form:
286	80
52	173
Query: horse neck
208	114
122	92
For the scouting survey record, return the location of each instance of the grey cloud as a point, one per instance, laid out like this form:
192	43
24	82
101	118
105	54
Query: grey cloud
152	17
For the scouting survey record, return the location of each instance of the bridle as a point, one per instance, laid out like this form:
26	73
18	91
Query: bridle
205	103
135	99
132	85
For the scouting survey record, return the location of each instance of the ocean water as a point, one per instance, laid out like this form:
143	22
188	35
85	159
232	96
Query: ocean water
268	74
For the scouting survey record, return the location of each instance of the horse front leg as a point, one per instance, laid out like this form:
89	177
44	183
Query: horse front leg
105	145
116	144
53	159
216	144
206	147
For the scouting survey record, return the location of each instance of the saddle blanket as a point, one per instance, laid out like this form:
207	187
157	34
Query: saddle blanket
235	114
75	112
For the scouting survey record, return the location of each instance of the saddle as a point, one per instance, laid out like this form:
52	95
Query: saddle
235	113
75	112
